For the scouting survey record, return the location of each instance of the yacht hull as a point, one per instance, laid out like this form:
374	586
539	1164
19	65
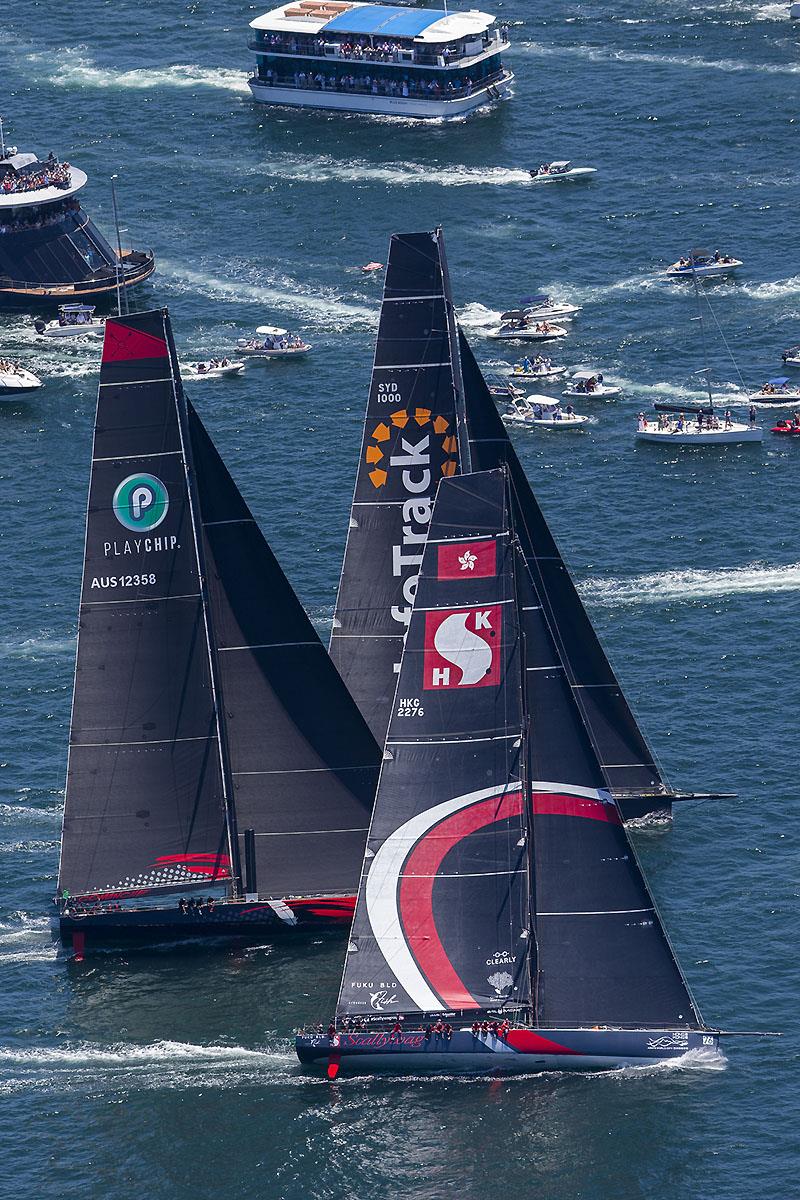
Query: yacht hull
520	1052
377	105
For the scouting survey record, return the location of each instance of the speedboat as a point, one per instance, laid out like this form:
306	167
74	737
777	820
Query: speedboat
590	383
776	392
544	413
702	264
540	369
74	320
685	432
521	328
791	357
213	368
503	389
15	380
554	172
272	342
787	428
543	307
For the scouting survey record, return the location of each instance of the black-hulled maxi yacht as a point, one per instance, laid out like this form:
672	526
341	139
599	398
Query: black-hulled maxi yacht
430	415
220	777
503	922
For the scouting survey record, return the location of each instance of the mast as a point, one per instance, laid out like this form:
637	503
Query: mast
703	334
458	378
118	271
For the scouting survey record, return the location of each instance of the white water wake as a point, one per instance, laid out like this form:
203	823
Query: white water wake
324	169
79	71
691	62
688	586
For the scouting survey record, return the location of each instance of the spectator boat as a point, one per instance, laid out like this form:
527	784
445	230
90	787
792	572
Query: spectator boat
544	307
213	368
706	430
787	428
347	56
516	325
543	412
15	380
702	264
776	392
791	357
503	922
540	369
558	172
73	321
50	250
585	384
274	343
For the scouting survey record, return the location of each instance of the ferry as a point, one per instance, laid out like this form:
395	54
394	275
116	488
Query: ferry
49	248
378	58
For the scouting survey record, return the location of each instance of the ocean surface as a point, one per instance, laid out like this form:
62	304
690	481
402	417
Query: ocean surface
170	1074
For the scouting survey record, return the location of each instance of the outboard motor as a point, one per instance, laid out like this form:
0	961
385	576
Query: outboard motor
39	325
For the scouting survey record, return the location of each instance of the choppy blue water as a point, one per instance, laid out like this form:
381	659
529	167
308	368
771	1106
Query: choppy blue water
171	1074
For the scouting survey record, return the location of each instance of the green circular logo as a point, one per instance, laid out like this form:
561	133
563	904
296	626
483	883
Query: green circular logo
141	502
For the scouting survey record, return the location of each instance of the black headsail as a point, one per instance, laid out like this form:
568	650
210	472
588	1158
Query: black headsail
162	779
147	794
443	912
498	873
404	453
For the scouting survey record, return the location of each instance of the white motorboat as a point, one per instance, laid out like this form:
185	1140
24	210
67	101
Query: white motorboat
213	368
590	384
521	329
539	308
272	342
702	264
15	380
776	392
791	357
682	430
74	320
540	369
543	413
555	172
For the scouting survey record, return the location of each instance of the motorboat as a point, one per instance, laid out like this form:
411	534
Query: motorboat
776	392
708	430
702	264
371	267
15	380
213	368
74	320
272	342
541	308
555	172
544	413
540	369
787	428
590	383
791	357
519	327
503	389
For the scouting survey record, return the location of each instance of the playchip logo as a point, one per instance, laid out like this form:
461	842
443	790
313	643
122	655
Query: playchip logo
462	648
141	502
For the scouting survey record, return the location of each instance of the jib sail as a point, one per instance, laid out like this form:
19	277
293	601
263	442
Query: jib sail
443	912
145	802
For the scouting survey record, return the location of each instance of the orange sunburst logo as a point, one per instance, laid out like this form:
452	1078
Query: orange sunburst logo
375	452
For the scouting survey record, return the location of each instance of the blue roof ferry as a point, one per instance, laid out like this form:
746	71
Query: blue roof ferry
377	58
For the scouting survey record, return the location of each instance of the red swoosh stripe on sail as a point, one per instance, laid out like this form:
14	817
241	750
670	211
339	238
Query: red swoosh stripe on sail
121	343
416	892
558	804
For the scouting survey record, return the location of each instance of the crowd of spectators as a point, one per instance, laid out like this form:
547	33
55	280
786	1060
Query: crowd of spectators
358	49
419	89
22	220
49	174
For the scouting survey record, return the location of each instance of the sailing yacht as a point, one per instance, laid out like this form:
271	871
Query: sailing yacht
430	414
503	923
220	778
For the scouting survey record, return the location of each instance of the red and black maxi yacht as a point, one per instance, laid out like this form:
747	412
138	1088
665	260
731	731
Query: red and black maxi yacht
50	251
429	412
220	777
503	922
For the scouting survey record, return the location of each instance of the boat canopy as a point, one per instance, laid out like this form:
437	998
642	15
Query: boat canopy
586	374
76	308
431	25
779	380
514	314
529	301
560	166
271	330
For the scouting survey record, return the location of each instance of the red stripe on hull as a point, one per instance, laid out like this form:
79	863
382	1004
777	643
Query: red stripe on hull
416	892
528	1042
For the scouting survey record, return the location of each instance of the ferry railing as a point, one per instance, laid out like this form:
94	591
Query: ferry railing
397	55
101	276
378	87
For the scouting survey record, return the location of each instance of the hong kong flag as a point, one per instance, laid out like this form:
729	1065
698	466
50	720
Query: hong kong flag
468	560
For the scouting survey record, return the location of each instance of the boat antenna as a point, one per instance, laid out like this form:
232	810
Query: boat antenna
703	330
118	271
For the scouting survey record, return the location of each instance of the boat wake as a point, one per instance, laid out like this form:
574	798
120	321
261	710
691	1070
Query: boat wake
780	289
692	1060
687	587
325	169
78	71
691	62
37	648
324	308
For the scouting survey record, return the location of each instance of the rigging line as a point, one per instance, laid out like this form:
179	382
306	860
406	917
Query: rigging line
725	341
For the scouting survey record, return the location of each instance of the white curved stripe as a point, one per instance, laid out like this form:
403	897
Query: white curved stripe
570	789
381	892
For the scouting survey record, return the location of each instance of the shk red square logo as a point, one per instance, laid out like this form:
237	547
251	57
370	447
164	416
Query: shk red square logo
462	648
468	560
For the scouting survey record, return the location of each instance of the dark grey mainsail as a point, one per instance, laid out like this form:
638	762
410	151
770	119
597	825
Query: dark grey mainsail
430	415
498	874
205	703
